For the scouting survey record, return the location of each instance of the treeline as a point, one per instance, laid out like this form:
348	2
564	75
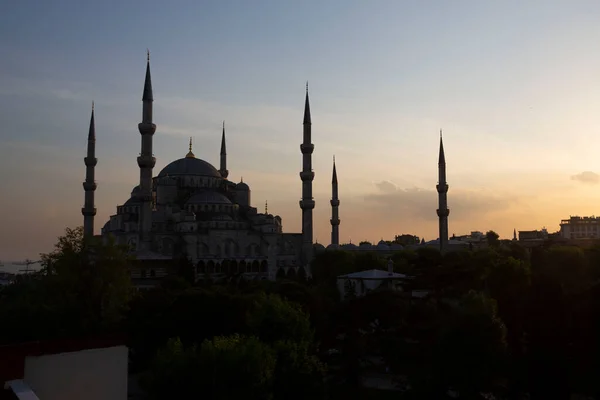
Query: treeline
501	321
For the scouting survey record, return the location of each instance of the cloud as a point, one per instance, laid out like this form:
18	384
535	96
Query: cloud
419	203
386	186
586	177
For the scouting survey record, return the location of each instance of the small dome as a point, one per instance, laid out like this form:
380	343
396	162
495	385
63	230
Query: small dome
318	247
350	246
135	190
190	166
242	187
208	197
132	201
332	247
365	246
382	246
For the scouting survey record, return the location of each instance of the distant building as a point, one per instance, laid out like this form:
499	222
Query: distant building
360	283
450	246
533	236
473	237
580	228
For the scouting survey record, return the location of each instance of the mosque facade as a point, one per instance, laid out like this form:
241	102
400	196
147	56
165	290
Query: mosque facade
192	209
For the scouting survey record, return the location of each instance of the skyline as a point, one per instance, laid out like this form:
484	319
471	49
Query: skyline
514	87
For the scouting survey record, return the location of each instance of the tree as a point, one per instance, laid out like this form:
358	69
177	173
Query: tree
407	239
492	238
298	374
236	367
273	319
226	367
84	288
471	348
93	276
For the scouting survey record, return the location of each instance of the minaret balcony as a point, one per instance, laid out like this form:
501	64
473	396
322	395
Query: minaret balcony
146	128
307	204
334	202
307	176
89	186
146	161
443	213
442	188
307	148
90	161
335	222
88	212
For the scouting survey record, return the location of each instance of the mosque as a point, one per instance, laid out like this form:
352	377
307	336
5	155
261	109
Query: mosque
192	209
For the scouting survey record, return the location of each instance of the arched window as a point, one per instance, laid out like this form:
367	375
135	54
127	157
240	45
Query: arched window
201	268
291	273
255	266
264	266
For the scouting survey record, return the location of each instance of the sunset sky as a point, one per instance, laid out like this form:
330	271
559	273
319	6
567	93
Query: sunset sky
514	85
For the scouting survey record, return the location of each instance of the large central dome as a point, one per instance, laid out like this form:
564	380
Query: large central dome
190	166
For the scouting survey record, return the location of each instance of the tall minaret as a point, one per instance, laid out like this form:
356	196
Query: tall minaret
223	169
442	188
89	186
307	204
335	202
146	162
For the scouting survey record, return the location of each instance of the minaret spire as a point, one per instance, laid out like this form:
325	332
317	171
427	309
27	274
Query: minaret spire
223	168
89	186
335	203
307	204
146	162
190	154
442	189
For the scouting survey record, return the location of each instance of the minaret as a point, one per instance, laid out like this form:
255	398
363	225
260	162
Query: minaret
515	234
223	169
335	203
442	188
307	204
146	162
89	186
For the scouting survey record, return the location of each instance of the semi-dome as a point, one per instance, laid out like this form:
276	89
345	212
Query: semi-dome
242	187
132	201
190	166
209	197
318	247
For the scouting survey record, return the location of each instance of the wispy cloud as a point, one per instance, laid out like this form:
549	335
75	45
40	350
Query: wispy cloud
420	203
587	177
